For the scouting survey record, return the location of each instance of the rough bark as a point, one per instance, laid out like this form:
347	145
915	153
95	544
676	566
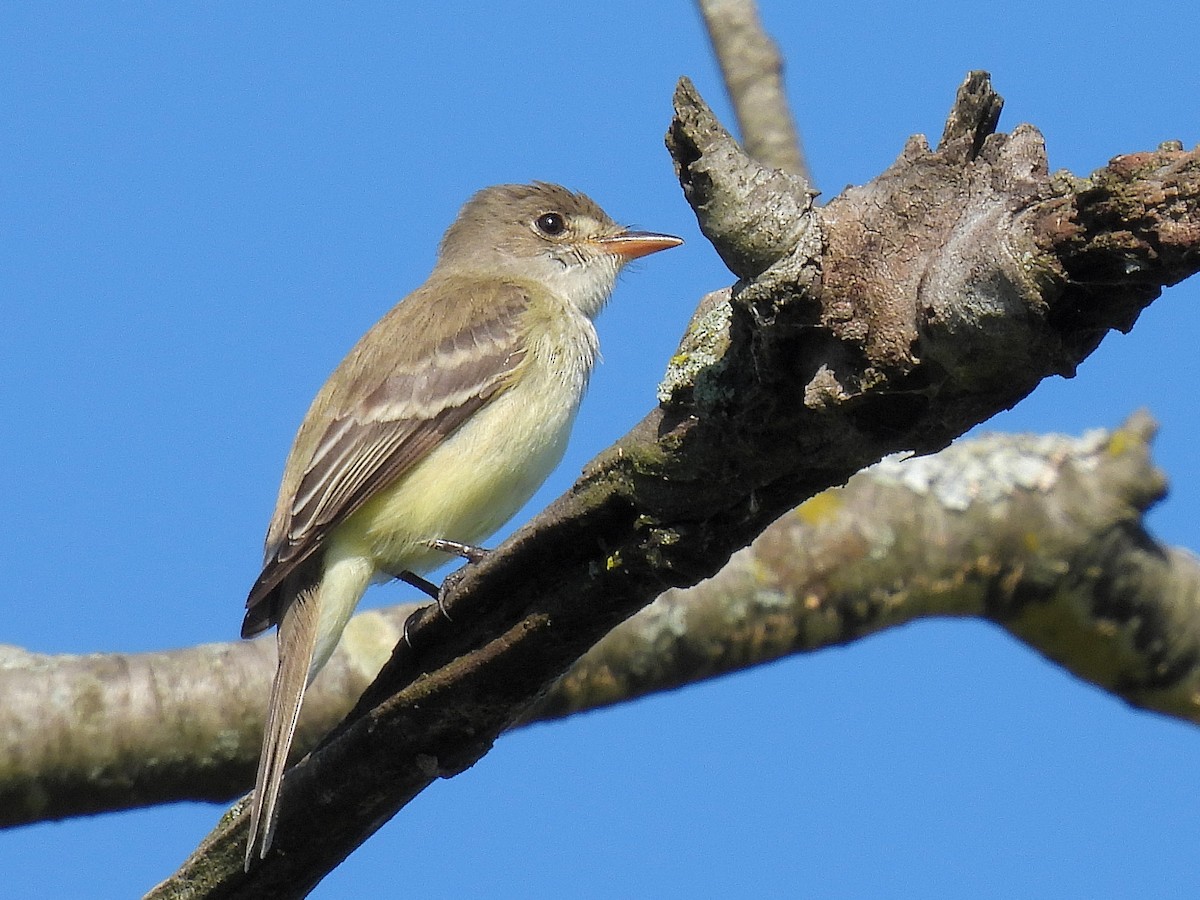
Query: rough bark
1041	535
895	318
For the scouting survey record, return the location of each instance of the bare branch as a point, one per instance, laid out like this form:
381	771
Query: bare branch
94	733
752	68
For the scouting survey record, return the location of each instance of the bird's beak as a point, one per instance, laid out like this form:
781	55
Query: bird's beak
632	244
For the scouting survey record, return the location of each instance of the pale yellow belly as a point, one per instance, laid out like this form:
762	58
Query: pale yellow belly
470	485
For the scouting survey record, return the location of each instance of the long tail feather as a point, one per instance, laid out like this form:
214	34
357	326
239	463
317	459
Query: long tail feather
297	639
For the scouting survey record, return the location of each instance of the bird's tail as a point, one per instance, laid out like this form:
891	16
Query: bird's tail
297	639
309	629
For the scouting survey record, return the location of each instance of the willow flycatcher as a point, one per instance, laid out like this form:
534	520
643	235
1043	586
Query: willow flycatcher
439	425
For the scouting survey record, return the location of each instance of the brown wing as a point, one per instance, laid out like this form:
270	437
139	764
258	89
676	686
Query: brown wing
383	424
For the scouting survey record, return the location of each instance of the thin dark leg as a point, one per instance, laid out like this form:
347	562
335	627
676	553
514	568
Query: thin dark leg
469	552
424	585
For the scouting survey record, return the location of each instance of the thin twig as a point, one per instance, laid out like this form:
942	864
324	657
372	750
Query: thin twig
753	71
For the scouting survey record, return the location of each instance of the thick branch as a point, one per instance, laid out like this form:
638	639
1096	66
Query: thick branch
85	734
909	310
1042	536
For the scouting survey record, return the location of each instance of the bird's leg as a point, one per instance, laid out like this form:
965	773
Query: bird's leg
469	552
424	585
427	587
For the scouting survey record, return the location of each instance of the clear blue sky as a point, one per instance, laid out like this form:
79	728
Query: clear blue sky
205	204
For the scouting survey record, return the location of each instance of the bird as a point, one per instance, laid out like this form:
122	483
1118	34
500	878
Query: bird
440	423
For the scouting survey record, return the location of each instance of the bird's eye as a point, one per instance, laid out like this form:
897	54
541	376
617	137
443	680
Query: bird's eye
551	223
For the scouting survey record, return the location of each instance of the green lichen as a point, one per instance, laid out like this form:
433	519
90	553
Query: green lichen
700	354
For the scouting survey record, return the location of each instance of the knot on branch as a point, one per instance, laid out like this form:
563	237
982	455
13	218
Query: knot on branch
927	262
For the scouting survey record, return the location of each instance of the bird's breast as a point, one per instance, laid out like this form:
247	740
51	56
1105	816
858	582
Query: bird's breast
483	473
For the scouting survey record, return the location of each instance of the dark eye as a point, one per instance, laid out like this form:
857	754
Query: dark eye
550	223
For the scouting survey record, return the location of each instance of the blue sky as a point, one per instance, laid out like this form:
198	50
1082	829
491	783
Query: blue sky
206	204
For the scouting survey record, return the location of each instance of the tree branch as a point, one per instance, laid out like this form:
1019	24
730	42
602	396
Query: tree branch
752	68
1041	535
905	312
994	528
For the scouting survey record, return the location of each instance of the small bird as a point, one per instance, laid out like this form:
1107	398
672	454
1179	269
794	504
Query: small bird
437	427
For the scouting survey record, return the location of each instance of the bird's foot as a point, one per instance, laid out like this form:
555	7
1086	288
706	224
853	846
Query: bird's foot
469	552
